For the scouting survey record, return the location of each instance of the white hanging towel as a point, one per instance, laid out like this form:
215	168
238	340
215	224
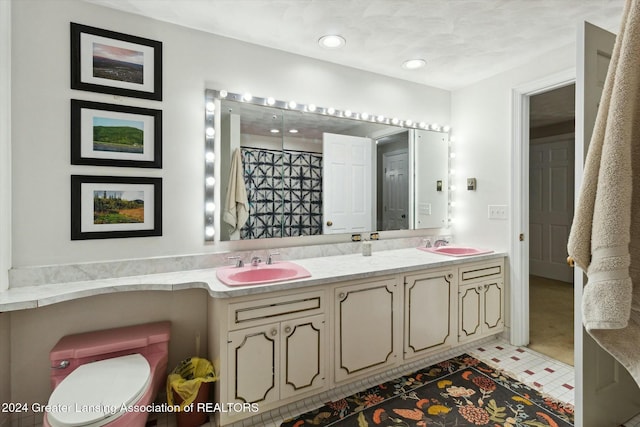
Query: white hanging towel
236	211
605	235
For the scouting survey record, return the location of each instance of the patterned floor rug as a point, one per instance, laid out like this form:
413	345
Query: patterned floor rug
462	391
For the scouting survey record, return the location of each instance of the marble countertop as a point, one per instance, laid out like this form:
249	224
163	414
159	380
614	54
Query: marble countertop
324	270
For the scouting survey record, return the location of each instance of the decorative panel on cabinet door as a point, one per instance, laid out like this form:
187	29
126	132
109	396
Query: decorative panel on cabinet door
469	312
430	301
493	299
253	356
302	351
365	327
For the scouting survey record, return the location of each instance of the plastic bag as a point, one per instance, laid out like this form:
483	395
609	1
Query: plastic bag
186	378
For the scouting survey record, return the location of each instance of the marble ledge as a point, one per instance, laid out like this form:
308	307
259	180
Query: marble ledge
324	270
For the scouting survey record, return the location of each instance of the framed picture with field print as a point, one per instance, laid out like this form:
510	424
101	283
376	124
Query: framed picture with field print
115	135
119	64
106	207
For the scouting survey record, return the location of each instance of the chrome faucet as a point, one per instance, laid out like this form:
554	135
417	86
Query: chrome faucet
270	257
255	261
440	242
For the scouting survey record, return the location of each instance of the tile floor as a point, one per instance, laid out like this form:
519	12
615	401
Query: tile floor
545	374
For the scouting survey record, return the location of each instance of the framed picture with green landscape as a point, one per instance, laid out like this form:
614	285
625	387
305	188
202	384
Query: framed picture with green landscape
115	135
107	207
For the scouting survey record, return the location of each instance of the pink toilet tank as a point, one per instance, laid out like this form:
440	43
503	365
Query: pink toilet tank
151	340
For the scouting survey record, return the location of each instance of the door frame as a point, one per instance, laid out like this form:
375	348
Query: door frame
519	250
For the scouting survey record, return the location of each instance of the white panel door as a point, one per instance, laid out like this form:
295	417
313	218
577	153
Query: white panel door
551	188
347	184
395	191
606	395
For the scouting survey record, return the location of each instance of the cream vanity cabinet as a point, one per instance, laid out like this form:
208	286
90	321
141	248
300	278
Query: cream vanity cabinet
480	300
268	349
366	316
430	302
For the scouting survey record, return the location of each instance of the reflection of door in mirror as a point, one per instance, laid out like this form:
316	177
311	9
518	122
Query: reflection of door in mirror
392	197
347	183
431	179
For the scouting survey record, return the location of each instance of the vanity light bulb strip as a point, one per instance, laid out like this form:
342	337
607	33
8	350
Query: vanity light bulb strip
209	167
451	155
331	111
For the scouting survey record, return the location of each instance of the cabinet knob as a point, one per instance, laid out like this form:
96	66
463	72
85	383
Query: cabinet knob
479	288
287	329
341	295
329	223
449	276
274	332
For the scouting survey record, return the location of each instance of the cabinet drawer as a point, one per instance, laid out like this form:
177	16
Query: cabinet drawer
475	272
244	314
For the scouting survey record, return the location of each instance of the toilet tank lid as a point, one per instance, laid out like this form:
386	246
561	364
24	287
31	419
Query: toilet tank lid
106	341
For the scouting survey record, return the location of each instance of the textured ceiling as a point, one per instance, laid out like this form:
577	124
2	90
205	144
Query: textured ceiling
463	41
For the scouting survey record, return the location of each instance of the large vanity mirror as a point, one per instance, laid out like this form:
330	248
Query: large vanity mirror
291	170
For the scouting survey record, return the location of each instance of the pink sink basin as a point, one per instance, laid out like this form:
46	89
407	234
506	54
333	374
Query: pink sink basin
260	274
456	250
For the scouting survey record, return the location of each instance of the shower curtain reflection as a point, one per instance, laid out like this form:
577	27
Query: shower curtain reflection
284	188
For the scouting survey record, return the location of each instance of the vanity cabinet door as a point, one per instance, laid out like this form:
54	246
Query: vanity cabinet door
302	350
430	300
481	308
470	312
253	356
493	299
365	321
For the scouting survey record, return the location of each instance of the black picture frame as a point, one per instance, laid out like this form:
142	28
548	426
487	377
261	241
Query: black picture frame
129	207
115	135
115	63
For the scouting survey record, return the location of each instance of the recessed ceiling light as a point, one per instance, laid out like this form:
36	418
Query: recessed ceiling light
293	130
413	64
331	41
274	131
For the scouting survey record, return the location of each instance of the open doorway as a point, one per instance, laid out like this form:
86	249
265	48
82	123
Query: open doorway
551	203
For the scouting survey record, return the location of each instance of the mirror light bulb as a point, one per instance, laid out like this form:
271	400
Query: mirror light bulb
348	113
395	121
211	132
446	128
408	122
271	101
210	157
311	107
452	155
211	107
292	104
210	207
223	94
380	118
210	181
247	97
209	231
331	110
364	116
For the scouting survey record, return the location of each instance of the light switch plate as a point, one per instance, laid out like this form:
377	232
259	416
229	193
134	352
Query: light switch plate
497	211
